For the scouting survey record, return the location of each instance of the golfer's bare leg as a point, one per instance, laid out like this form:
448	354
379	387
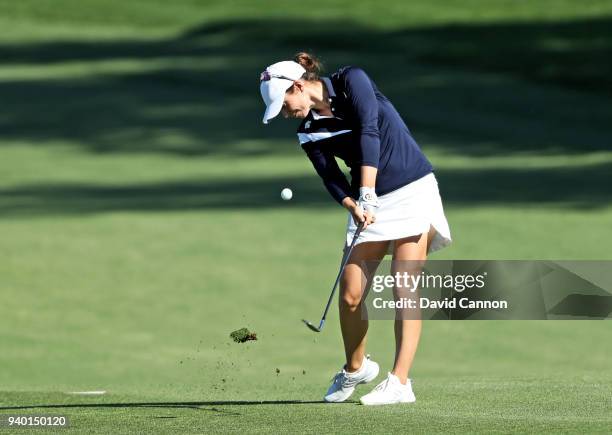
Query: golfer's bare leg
408	332
352	287
430	236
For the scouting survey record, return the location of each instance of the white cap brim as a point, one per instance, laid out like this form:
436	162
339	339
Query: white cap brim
273	109
273	94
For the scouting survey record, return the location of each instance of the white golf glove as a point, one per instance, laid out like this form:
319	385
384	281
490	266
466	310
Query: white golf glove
368	201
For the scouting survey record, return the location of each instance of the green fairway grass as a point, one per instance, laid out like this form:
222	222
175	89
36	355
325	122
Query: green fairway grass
141	220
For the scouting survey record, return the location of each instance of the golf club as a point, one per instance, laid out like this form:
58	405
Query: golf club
345	257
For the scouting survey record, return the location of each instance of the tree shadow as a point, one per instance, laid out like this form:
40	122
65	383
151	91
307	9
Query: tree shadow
461	88
575	54
197	406
580	187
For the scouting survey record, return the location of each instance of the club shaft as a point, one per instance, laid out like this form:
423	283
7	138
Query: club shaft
345	258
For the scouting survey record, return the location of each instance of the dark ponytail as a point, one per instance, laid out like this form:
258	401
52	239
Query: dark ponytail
311	64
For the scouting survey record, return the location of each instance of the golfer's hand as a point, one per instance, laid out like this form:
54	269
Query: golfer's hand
359	216
368	204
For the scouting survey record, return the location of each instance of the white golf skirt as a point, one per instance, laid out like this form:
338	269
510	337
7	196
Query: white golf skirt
407	211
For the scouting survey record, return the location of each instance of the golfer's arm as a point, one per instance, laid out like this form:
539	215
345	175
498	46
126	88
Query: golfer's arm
333	178
365	105
368	176
348	203
368	179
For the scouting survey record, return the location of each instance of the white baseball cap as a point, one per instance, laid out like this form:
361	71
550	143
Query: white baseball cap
275	81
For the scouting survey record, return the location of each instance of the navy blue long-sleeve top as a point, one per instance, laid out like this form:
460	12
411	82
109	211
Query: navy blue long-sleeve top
365	130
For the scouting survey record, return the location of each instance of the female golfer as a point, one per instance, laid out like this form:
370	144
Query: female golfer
393	193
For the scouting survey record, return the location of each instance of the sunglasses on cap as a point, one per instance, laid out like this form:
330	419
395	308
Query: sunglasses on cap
267	75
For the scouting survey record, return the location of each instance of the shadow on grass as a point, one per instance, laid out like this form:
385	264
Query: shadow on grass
197	93
168	404
573	53
573	187
199	406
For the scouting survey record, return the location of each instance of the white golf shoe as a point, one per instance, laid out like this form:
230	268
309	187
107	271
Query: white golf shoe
344	383
389	391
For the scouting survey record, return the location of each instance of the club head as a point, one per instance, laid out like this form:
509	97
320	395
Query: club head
311	326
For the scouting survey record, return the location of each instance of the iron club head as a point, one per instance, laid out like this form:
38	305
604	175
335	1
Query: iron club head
311	326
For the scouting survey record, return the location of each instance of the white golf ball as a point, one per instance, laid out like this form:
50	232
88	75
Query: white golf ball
286	194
